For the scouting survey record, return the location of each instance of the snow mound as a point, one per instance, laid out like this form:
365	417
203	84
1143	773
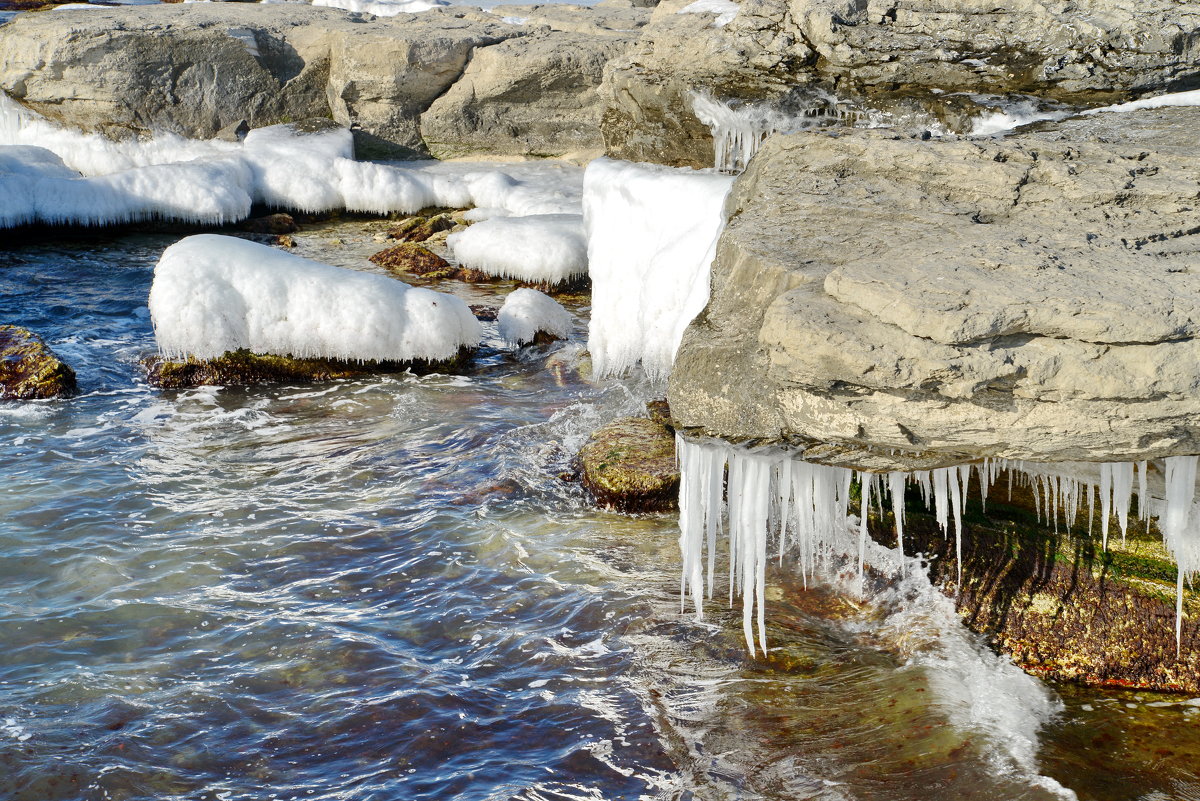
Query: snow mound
526	312
212	294
548	248
652	234
382	8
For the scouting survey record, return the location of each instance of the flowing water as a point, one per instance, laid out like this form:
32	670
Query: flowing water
381	589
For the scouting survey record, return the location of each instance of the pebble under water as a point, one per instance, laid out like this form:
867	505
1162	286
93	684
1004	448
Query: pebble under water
380	589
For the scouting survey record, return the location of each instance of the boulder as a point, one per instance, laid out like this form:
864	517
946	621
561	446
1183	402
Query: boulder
920	62
202	70
630	465
29	370
893	303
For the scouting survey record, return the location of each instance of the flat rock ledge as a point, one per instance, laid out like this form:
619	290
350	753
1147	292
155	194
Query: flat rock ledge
629	465
889	303
29	369
243	368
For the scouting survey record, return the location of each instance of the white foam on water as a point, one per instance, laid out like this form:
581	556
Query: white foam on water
549	248
525	312
652	235
212	294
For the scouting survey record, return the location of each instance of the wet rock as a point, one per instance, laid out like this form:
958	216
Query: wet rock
238	368
629	465
29	370
660	412
419	229
487	314
410	257
233	132
957	299
1057	603
275	224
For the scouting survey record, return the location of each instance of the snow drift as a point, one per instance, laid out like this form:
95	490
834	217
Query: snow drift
542	248
212	294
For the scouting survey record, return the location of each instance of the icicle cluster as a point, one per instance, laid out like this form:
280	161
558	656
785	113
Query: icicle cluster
808	506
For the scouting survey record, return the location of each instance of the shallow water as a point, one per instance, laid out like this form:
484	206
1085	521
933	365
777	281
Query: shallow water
380	589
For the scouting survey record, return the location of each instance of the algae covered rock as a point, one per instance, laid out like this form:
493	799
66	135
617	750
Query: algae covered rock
419	229
630	465
29	370
241	367
410	257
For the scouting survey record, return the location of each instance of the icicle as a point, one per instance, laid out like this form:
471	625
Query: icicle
896	488
1122	487
1143	495
691	522
1091	493
956	500
941	498
784	488
1105	501
1181	534
713	506
985	481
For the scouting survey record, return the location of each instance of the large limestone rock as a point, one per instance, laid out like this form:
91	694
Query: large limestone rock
195	69
932	60
911	303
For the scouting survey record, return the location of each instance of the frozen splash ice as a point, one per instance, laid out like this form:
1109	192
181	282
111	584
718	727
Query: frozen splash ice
526	312
811	504
542	248
652	235
212	294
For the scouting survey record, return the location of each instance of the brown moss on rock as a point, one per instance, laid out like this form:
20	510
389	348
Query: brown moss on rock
630	465
1057	603
241	367
29	369
410	257
419	229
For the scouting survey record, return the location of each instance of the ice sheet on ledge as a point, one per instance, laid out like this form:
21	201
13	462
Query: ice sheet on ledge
726	10
215	181
805	506
652	235
212	294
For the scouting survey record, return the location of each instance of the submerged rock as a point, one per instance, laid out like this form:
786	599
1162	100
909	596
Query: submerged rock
241	368
629	465
912	303
275	224
29	370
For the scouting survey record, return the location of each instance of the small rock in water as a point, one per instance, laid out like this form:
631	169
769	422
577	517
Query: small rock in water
418	229
29	370
630	465
271	224
413	258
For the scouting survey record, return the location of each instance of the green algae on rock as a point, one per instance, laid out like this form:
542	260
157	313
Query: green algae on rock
630	465
29	370
241	367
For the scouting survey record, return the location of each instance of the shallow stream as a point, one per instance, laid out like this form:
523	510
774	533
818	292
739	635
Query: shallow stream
381	589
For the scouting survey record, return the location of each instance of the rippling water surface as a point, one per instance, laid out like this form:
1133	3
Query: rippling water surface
380	589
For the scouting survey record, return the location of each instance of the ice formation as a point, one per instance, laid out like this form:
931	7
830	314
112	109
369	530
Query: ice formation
726	10
212	294
1189	98
97	181
540	248
382	8
808	505
1026	112
525	312
652	234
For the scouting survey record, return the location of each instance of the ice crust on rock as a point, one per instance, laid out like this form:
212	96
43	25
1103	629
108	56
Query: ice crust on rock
652	233
97	181
213	294
382	8
809	504
726	10
539	248
525	312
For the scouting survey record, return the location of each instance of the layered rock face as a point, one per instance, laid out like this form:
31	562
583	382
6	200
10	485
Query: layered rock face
195	69
918	303
930	59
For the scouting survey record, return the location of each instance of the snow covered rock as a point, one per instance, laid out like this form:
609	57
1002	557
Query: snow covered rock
29	370
652	233
214	294
906	303
528	316
546	249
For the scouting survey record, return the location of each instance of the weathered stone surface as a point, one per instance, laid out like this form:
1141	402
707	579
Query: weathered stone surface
29	370
915	303
533	95
199	70
240	368
931	58
629	465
